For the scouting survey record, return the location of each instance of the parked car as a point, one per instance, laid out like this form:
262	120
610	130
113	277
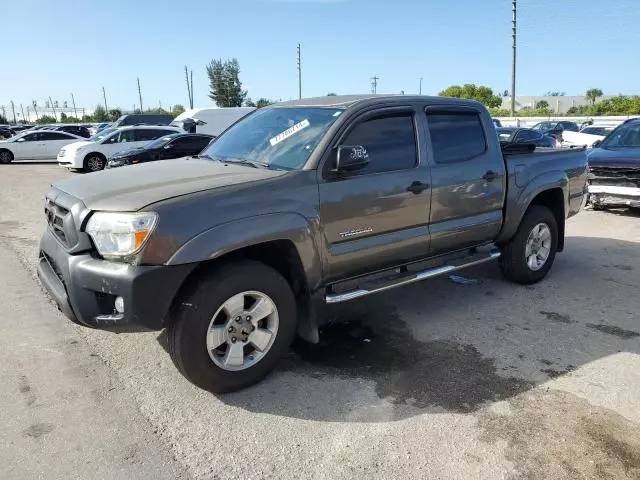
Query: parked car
143	119
614	168
20	128
7	132
211	121
525	135
98	127
298	206
555	129
80	130
168	147
37	145
496	122
587	136
91	154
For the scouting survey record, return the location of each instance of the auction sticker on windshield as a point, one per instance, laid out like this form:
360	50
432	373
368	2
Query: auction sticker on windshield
289	132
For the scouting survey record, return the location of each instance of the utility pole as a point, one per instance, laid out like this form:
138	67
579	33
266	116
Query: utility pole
53	108
24	119
4	112
29	114
35	109
140	94
374	84
73	100
189	85
104	95
299	74
420	85
13	109
191	103
513	60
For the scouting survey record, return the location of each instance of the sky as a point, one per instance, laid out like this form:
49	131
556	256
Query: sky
54	48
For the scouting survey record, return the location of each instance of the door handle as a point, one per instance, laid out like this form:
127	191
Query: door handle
417	187
490	176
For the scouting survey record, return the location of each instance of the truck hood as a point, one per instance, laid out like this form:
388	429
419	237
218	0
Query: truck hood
134	187
622	158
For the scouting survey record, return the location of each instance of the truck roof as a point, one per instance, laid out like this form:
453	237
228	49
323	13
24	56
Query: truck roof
346	101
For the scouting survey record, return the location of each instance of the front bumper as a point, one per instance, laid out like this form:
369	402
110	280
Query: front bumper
614	195
85	288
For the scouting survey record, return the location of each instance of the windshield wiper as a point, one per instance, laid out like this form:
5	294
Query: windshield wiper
251	163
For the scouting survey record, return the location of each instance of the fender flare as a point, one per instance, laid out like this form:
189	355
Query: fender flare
517	204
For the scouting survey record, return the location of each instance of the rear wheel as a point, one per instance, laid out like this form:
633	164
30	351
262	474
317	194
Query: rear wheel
528	257
6	156
94	162
232	326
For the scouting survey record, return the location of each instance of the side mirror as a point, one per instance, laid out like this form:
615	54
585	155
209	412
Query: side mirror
20	140
596	144
168	147
350	158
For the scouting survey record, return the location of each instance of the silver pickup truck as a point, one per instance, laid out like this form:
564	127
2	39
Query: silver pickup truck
298	206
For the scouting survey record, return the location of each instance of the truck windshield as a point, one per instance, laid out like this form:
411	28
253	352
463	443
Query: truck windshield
277	137
625	136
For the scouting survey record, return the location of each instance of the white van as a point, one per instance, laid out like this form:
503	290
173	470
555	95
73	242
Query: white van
212	121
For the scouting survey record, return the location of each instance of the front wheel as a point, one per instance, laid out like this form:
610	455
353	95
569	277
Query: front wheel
6	156
232	326
528	257
94	162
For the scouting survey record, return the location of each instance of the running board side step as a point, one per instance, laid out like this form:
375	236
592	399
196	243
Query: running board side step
412	278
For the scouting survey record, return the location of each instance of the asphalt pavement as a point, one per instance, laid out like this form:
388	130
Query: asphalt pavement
439	380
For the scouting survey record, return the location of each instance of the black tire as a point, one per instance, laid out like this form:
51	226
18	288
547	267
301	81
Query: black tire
197	306
94	162
513	261
5	156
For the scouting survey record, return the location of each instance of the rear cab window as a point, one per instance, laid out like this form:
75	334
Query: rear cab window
456	136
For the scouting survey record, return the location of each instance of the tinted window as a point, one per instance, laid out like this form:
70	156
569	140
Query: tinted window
190	144
527	135
32	137
390	142
569	126
597	130
144	135
625	136
456	136
54	136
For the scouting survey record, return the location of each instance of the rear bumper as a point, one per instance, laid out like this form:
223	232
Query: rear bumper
85	289
614	195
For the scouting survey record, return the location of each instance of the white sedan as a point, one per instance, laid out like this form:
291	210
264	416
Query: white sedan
587	136
37	145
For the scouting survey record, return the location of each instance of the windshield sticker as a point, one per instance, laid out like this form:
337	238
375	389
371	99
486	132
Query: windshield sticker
289	132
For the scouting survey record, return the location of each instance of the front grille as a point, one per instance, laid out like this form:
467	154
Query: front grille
60	223
619	177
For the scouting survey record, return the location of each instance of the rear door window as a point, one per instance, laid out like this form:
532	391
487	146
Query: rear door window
456	136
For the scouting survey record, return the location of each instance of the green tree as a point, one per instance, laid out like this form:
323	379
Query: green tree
3	119
100	114
225	87
470	91
331	94
542	104
46	119
593	94
263	102
114	114
63	118
177	110
249	103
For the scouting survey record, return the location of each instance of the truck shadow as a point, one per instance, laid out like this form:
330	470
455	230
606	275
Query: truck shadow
441	346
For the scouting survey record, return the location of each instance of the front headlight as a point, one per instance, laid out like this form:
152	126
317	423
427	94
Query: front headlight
120	234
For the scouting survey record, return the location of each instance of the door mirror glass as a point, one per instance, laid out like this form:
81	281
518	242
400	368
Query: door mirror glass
596	144
168	147
350	158
20	140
